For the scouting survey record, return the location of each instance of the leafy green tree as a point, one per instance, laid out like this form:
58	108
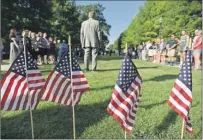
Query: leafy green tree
160	19
56	17
98	9
25	14
65	20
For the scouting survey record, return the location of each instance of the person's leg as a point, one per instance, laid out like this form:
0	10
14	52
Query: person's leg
50	60
40	56
39	60
12	52
94	58
181	60
182	57
158	57
173	60
45	56
197	60
169	60
164	59
86	57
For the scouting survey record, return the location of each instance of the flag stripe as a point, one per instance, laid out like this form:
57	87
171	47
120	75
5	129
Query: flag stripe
12	92
184	88
8	83
180	108
52	84
67	95
31	78
48	84
21	97
36	99
60	92
18	97
57	90
78	76
13	98
183	93
4	82
80	83
63	92
54	87
179	100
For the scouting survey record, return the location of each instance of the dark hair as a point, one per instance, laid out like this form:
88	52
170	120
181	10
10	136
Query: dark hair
12	33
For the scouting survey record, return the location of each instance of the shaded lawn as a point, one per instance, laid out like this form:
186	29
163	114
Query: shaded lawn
154	118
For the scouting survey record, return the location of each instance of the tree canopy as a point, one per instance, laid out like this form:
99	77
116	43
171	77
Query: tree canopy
56	17
160	19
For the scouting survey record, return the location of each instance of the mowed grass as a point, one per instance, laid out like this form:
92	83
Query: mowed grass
154	120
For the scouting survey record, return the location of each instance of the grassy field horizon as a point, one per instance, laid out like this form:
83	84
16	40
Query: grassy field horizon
154	120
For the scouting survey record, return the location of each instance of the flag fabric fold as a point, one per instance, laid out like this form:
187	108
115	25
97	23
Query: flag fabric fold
180	99
126	95
58	85
17	88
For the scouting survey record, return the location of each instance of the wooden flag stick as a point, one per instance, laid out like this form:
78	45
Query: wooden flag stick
183	128
126	49
73	103
29	98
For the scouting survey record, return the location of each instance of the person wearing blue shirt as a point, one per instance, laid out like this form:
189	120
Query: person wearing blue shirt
62	49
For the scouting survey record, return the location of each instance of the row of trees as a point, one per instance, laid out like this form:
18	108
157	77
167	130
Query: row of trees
160	19
56	17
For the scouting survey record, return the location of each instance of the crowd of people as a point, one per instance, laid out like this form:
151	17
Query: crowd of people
44	49
172	51
47	50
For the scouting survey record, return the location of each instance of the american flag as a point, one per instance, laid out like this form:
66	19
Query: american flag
181	95
126	95
58	85
16	89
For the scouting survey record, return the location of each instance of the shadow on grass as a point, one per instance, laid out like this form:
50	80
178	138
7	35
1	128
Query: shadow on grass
105	87
148	67
54	122
104	58
164	125
163	77
102	70
152	105
195	105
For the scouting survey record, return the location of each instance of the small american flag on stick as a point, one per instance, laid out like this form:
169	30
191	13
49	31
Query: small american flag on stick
58	85
16	89
126	95
181	95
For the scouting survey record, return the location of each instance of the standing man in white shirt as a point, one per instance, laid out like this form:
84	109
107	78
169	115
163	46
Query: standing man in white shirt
90	37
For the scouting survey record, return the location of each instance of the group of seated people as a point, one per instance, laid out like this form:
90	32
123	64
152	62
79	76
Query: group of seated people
43	49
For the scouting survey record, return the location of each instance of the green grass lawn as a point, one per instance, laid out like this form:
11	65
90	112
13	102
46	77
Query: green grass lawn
154	120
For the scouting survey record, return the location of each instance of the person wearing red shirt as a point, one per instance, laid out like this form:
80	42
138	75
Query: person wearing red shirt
198	50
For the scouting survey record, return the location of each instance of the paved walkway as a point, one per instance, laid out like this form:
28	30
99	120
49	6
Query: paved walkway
5	66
